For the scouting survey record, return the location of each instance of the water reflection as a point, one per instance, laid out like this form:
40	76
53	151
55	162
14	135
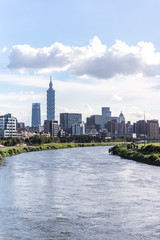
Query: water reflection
80	193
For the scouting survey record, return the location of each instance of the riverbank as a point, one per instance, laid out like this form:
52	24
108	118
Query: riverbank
149	154
10	151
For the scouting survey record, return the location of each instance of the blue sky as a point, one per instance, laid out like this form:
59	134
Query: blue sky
99	53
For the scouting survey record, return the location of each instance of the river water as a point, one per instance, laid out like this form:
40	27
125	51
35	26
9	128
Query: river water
78	194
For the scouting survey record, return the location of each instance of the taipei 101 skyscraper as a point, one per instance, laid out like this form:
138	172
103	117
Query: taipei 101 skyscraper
50	102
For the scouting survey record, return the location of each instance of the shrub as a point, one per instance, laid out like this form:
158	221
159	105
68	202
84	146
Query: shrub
11	152
19	151
153	157
15	151
2	153
26	149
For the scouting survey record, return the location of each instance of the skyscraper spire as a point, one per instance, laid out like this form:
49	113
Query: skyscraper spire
50	101
50	84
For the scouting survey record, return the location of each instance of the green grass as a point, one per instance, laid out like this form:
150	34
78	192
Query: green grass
10	151
150	153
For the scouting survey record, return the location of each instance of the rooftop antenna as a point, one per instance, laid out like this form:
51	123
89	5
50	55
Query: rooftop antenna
50	84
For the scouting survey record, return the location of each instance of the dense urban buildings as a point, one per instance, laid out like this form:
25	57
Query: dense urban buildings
97	122
50	102
8	126
67	119
78	128
36	115
51	126
72	124
20	125
104	124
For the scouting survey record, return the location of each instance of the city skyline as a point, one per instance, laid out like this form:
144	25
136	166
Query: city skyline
98	53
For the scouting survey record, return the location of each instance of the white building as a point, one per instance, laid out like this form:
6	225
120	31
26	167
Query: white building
8	126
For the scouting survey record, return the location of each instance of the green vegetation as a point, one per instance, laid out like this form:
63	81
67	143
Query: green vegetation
9	141
40	143
149	154
10	151
40	139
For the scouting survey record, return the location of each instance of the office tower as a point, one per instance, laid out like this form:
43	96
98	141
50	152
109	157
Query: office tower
50	102
67	119
112	126
51	126
106	112
129	128
36	115
152	128
8	126
78	128
121	118
141	128
121	124
97	122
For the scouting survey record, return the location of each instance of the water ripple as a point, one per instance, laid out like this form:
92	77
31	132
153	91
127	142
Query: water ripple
81	193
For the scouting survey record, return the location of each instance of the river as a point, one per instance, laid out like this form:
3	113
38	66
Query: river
78	194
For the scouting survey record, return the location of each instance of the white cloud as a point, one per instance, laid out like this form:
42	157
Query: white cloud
25	80
116	97
4	49
133	95
94	60
54	58
21	96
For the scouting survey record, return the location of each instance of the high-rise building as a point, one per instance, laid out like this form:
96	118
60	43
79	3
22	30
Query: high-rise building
121	118
51	126
121	124
8	126
97	122
78	128
141	128
129	128
36	115
112	126
152	128
67	119
50	102
106	112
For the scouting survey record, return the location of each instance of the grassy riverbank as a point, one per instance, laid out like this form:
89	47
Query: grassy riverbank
10	151
149	154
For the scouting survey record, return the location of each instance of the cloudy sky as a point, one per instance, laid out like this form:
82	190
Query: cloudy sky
98	52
